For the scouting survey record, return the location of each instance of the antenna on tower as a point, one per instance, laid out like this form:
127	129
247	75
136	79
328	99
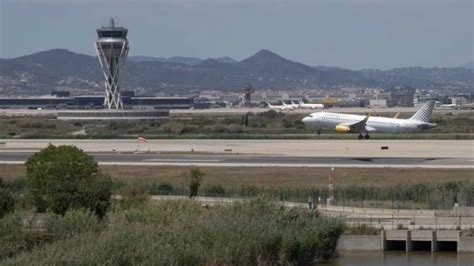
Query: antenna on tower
112	22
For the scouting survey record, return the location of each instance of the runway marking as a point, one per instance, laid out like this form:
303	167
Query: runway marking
181	160
12	162
214	164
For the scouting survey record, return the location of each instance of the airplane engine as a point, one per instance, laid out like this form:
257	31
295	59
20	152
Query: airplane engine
342	129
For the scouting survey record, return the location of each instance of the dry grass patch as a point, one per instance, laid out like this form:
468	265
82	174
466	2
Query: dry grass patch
273	176
12	171
289	176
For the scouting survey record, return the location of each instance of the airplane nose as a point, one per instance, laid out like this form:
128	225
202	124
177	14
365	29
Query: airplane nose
306	119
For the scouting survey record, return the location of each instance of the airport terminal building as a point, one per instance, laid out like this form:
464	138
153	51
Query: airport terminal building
91	107
62	100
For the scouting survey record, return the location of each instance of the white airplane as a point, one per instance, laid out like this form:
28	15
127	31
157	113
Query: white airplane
295	105
283	107
449	106
291	106
310	105
345	123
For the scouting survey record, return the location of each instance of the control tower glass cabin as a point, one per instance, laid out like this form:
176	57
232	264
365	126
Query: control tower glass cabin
112	48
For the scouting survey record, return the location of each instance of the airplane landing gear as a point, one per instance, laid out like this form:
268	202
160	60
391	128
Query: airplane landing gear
366	136
361	136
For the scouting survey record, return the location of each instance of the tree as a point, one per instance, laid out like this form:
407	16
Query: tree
63	178
194	181
7	202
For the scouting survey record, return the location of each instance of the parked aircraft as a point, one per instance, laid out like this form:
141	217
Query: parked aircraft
280	108
291	106
346	123
310	105
295	105
449	106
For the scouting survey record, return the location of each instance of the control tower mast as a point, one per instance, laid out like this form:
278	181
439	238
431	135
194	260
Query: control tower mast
112	49
248	90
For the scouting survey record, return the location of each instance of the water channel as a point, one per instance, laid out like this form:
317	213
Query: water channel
399	258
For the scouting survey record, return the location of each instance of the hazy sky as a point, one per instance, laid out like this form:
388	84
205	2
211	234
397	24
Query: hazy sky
353	34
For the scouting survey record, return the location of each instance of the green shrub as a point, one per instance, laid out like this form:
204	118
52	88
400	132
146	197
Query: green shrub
77	124
361	229
12	236
17	185
72	223
216	190
271	114
162	188
164	213
7	203
184	233
63	178
133	196
194	181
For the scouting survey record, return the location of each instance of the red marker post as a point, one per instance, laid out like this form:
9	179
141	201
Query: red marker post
141	140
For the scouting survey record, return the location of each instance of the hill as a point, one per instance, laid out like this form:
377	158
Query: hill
57	69
421	77
177	59
468	65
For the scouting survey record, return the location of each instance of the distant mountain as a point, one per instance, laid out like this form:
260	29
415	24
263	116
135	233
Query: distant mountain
174	59
141	59
469	65
177	59
226	60
184	60
43	72
328	68
421	77
60	69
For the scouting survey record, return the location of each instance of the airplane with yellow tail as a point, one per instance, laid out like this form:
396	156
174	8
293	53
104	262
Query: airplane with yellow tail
363	125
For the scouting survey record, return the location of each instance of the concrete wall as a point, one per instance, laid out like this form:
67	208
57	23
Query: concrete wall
447	235
396	234
359	243
466	244
463	211
421	235
374	242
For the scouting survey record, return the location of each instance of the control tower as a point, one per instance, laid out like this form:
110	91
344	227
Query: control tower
112	49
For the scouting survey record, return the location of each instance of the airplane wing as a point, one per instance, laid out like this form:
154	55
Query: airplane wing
360	126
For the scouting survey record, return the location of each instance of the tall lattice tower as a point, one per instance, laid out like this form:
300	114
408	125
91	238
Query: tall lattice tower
112	49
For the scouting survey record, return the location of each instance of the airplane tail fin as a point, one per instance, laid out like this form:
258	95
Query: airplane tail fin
424	114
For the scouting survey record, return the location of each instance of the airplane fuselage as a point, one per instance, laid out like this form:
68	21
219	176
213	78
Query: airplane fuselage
324	120
281	107
312	106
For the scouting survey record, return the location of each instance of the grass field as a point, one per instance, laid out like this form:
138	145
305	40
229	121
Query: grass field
356	187
297	177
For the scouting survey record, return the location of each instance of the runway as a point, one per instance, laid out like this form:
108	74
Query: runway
259	160
290	153
300	148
